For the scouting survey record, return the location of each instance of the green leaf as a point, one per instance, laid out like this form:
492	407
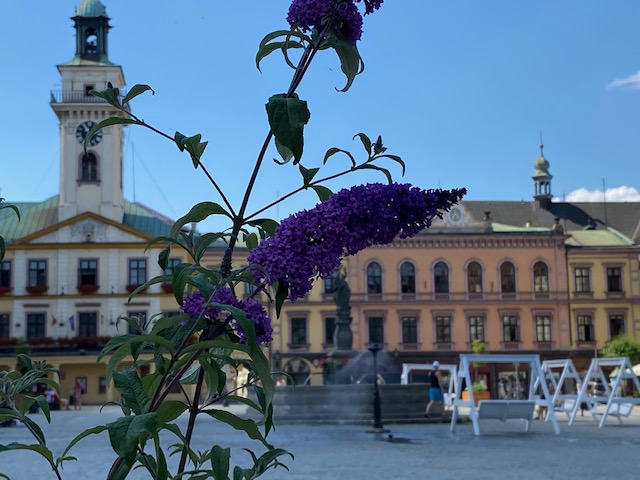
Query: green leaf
350	60
323	192
169	410
135	91
179	139
282	292
397	159
41	449
220	462
129	385
368	166
198	213
2	248
90	431
203	243
127	432
307	174
366	142
110	95
35	429
106	123
285	153
251	241
267	224
268	48
333	150
287	118
163	257
246	425
196	148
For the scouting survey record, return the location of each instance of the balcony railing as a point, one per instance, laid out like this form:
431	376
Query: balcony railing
74	96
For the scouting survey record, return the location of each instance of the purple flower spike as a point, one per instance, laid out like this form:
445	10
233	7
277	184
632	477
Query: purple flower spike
345	17
193	304
313	242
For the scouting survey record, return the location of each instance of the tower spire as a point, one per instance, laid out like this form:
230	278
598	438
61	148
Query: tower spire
542	179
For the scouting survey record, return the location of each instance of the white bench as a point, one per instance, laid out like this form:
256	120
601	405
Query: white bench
504	410
616	410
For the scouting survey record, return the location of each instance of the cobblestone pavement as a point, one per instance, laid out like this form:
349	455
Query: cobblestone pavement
419	451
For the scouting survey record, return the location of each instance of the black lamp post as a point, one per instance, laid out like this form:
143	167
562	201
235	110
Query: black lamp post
377	426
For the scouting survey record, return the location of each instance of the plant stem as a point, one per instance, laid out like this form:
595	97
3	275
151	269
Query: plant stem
193	413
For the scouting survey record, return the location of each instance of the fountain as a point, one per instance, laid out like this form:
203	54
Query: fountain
346	396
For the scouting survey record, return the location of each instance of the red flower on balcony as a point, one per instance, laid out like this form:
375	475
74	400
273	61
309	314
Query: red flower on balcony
88	288
37	289
132	286
4	290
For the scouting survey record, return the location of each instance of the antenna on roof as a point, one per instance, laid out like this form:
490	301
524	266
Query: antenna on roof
604	198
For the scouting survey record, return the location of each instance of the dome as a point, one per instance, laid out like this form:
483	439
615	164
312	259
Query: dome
541	165
91	8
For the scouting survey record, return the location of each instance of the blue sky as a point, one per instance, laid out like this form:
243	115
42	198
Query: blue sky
461	90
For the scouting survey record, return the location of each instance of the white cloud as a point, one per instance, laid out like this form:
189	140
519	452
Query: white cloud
632	82
617	194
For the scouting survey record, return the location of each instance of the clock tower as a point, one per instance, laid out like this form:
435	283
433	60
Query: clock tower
91	181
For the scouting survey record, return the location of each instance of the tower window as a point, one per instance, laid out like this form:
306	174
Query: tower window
89	168
87	90
91	41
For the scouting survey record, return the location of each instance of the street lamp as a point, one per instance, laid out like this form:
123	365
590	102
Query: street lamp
377	426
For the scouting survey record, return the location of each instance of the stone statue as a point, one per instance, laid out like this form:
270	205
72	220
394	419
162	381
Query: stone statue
342	336
341	293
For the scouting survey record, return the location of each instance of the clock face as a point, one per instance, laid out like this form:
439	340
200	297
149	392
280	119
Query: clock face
455	215
82	131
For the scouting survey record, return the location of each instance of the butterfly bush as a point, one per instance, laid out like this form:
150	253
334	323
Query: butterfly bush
313	242
344	15
195	305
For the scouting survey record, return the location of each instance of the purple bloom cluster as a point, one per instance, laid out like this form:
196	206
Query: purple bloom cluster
194	304
344	15
313	242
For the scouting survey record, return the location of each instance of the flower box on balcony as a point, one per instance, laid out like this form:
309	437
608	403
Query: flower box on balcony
37	289
131	287
88	288
167	288
4	290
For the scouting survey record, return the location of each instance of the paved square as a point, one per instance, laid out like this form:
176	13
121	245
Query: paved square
420	451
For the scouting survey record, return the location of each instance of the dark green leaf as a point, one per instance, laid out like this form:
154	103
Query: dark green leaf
129	385
246	425
35	429
169	410
323	192
267	49
287	118
203	243
365	142
283	33
179	139
106	123
395	158
282	292
163	257
307	174
368	166
41	449
110	95
220	462
350	60
198	213
127	432
135	91
333	150
267	224
2	248
285	153
251	241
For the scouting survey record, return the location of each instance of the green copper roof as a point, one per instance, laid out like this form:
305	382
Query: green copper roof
91	8
598	238
36	216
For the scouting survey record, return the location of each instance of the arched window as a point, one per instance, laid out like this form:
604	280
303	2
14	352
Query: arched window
408	278
374	278
89	168
474	277
507	278
540	277
441	277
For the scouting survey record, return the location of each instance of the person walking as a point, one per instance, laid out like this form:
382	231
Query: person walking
77	396
435	391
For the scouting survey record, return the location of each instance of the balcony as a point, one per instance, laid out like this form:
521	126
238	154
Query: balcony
73	96
36	289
